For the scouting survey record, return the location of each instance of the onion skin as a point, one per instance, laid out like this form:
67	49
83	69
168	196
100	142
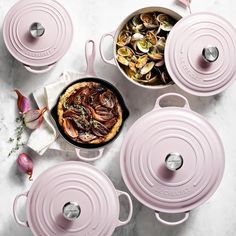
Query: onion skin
25	164
23	102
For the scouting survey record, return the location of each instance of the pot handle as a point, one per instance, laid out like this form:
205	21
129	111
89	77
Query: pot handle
18	221
89	159
186	216
90	58
108	61
120	193
39	71
186	103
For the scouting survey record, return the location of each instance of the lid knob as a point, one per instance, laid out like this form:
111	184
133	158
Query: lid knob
36	30
210	53
174	161
71	210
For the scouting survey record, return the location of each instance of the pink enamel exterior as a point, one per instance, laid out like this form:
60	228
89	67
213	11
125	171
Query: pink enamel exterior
148	142
51	46
73	182
183	54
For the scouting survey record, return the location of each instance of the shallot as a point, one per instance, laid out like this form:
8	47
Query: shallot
25	164
34	118
23	102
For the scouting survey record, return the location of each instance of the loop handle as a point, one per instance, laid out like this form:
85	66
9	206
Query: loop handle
18	221
89	159
120	193
108	61
186	105
186	216
39	70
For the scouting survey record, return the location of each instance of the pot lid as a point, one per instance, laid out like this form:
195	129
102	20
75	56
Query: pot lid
72	198
200	54
37	32
172	159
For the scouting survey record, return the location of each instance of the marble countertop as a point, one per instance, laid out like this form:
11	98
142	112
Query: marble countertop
92	18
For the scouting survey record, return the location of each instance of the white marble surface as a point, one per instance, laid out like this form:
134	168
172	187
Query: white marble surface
91	19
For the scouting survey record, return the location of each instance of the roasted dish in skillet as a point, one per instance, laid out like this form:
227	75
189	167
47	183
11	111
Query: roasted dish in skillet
88	112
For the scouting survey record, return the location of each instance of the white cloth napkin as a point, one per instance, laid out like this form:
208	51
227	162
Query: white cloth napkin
46	136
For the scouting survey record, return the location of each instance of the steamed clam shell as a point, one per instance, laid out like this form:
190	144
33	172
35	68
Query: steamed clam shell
141	46
166	22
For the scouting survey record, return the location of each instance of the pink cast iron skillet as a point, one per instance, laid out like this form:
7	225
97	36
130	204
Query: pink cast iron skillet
90	76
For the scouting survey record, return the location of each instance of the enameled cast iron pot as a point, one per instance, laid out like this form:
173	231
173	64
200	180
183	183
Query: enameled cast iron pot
172	160
90	76
71	199
37	33
200	52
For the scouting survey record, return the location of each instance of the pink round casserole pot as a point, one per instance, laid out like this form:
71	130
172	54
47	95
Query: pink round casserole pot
72	199
172	160
37	33
200	52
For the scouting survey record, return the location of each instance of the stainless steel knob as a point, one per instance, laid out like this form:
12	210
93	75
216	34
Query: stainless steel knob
71	210
174	161
36	30
210	53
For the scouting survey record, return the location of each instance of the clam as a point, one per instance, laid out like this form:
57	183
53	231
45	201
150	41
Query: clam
142	61
160	63
149	20
161	44
132	66
151	37
166	22
144	45
124	38
125	51
136	37
165	77
155	56
122	60
148	67
136	20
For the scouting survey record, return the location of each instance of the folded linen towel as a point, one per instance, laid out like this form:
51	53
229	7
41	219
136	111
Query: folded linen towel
46	136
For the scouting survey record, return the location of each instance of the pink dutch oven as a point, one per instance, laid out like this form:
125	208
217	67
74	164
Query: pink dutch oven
72	199
37	33
200	52
172	160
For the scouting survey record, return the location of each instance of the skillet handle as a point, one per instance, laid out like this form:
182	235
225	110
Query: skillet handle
108	61
186	103
120	193
186	216
89	159
90	58
18	221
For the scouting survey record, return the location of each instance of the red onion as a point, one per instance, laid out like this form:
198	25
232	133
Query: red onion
25	164
22	102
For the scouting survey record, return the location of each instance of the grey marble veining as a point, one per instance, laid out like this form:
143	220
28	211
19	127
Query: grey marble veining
92	18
